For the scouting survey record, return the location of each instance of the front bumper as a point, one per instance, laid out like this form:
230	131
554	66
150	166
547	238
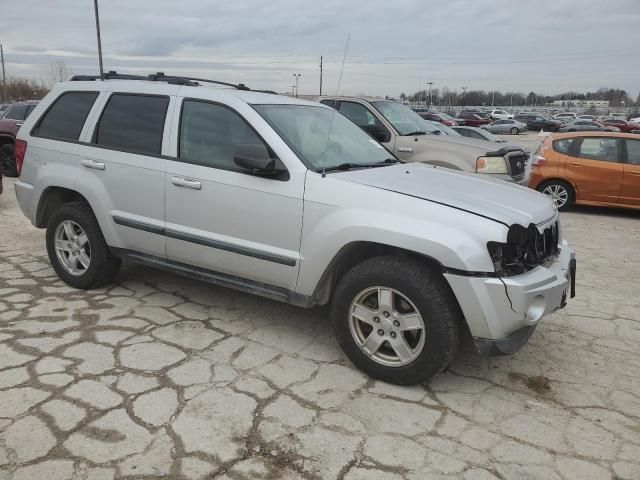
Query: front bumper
503	312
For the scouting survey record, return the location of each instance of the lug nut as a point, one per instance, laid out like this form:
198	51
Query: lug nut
396	323
380	332
386	314
393	334
376	319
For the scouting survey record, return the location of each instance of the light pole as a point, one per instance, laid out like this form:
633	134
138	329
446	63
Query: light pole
293	90
430	101
297	75
4	78
95	6
464	90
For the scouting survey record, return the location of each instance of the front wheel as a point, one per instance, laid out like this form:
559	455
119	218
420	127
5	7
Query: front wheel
515	131
396	319
560	192
77	250
8	160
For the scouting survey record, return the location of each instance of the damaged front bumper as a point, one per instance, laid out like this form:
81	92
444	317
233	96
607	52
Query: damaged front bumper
502	312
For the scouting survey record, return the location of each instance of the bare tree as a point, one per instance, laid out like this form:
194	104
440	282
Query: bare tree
58	71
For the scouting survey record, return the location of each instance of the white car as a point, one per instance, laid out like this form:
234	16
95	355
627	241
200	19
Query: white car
500	115
634	120
290	200
565	116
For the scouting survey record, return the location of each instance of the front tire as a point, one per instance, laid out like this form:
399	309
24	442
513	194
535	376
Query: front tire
396	319
8	160
560	192
77	249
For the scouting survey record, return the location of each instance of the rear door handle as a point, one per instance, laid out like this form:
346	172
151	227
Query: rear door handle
637	174
186	183
576	164
92	164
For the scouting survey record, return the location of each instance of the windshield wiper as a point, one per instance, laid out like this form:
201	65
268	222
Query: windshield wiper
350	165
417	132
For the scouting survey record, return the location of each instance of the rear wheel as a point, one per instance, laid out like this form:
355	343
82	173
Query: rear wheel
560	192
8	160
396	320
515	131
77	250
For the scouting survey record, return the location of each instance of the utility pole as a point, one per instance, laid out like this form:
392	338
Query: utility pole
293	90
464	90
417	100
493	97
430	102
95	6
321	75
297	75
4	78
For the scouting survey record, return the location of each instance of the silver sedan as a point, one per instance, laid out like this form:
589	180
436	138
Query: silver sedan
581	125
513	127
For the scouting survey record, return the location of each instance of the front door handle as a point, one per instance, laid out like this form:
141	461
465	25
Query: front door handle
405	150
186	183
637	174
576	164
92	164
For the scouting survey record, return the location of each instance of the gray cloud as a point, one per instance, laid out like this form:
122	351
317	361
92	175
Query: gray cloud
547	47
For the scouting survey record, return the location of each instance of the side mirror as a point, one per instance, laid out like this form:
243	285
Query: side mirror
377	132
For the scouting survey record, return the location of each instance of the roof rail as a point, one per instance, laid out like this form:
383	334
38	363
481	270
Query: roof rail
156	77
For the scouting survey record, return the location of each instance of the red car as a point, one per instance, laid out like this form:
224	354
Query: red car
623	125
472	119
9	126
439	117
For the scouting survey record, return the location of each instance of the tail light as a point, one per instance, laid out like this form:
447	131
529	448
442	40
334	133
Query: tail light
538	158
20	150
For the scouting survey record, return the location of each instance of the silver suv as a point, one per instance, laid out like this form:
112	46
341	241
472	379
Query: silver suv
406	134
290	200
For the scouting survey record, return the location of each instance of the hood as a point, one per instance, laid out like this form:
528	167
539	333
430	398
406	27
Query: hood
496	200
485	145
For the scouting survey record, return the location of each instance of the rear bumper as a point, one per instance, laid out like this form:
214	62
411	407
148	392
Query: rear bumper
502	313
27	196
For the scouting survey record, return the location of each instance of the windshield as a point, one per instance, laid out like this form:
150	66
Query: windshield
322	137
403	119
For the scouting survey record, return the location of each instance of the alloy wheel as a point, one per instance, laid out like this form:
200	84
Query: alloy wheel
72	247
387	326
557	193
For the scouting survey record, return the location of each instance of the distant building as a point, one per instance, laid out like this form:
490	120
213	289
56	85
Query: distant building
581	103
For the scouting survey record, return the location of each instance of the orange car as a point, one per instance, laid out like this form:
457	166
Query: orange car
589	168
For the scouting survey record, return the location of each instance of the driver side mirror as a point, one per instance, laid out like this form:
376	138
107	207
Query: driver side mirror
377	132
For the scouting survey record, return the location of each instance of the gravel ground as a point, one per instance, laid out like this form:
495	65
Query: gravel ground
161	376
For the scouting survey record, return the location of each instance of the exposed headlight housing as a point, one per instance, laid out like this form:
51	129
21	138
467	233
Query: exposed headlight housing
525	249
491	165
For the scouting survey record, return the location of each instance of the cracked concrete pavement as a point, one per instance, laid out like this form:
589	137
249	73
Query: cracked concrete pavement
161	376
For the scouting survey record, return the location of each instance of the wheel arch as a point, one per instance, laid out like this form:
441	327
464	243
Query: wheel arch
7	139
51	198
356	252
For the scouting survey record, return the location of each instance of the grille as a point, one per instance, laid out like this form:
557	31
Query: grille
517	164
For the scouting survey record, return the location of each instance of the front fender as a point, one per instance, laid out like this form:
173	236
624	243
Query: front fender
455	239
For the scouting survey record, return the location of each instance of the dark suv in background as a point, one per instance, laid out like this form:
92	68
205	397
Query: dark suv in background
537	121
9	126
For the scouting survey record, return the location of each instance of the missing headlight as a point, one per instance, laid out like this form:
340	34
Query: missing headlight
526	248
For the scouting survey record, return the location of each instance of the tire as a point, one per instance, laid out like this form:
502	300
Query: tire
514	131
8	160
103	265
558	186
431	350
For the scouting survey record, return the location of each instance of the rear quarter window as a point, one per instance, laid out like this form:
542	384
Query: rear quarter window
66	116
563	145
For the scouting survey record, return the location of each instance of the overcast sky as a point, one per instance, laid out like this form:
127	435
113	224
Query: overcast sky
545	46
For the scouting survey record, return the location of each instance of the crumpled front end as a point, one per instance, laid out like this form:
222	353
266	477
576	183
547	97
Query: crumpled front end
534	276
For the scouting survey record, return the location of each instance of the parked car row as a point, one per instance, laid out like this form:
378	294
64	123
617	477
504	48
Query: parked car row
10	122
343	202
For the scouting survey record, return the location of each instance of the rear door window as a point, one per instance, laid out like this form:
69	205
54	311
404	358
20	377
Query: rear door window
599	148
66	116
132	123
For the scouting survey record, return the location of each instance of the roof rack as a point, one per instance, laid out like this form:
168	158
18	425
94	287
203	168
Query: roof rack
160	77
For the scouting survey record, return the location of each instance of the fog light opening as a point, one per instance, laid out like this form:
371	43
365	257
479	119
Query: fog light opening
536	309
